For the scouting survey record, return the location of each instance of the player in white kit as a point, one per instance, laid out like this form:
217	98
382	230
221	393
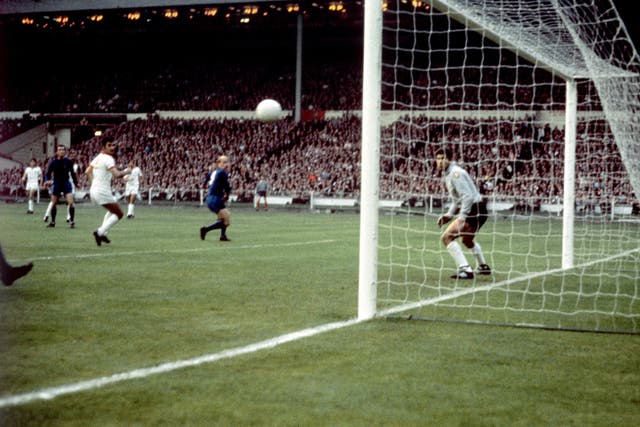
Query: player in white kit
33	179
132	188
100	172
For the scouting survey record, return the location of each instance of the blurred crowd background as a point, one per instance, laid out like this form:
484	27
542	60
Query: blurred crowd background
195	64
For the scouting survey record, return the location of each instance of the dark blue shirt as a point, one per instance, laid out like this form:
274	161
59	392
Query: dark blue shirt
61	170
219	186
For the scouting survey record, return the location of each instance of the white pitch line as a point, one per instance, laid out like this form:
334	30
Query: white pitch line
177	251
53	392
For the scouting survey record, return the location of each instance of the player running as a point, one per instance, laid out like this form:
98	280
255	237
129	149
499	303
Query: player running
218	193
100	171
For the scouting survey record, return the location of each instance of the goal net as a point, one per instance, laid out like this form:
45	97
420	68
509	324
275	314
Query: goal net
538	100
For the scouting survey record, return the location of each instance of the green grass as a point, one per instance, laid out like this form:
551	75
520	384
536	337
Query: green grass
158	294
601	293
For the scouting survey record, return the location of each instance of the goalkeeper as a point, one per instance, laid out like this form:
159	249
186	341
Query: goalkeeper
471	211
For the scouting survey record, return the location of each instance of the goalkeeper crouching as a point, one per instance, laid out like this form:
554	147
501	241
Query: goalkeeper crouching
468	212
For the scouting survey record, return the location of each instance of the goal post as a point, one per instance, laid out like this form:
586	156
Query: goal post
539	100
370	162
569	198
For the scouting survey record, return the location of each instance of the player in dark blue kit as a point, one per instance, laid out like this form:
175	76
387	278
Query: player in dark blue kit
218	193
60	175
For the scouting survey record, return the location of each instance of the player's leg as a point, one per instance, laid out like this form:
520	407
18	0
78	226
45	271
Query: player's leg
130	206
9	273
54	210
457	228
215	205
225	216
5	268
218	224
47	213
476	250
71	210
30	198
114	214
476	220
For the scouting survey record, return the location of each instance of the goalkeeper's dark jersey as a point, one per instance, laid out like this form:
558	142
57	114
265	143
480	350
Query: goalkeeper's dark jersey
219	184
61	170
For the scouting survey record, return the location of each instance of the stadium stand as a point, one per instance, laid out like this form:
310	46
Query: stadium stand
166	69
322	157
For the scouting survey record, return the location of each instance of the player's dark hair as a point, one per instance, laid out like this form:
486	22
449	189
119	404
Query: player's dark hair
106	139
446	152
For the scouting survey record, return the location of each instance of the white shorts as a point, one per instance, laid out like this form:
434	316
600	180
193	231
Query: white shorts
34	187
102	197
128	191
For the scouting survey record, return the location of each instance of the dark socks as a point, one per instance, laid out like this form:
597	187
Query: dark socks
215	225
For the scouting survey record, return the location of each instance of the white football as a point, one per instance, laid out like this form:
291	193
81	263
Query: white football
269	110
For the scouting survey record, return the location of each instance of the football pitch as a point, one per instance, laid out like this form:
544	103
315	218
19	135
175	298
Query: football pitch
161	328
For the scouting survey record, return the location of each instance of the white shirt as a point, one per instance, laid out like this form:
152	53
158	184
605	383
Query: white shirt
462	190
33	175
101	174
133	179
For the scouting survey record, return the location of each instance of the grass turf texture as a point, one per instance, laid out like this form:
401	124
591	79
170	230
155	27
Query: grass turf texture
158	294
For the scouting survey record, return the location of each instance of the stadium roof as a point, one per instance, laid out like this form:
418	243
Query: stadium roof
44	6
77	15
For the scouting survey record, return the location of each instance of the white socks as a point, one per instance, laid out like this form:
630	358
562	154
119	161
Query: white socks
130	209
109	221
477	252
461	261
456	252
30	204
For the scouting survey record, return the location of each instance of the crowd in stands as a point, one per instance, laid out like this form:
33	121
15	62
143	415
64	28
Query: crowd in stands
335	86
225	88
508	159
521	159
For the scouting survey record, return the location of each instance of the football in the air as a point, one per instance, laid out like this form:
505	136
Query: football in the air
269	110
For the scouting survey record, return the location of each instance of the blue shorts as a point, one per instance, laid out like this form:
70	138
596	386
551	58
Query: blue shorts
215	203
61	188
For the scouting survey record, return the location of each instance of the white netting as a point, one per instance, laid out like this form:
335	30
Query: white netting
488	79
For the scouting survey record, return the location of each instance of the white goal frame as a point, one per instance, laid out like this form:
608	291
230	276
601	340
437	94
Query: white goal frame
371	140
